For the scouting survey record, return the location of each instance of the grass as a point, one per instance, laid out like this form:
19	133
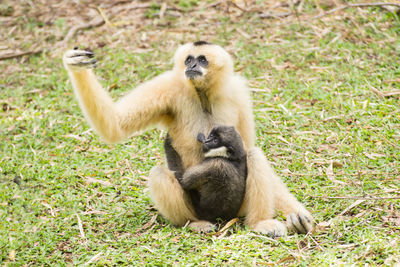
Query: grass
325	131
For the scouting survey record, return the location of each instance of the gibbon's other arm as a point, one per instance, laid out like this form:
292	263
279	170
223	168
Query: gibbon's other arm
197	175
146	105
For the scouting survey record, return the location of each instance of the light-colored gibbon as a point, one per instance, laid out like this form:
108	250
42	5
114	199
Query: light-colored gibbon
201	91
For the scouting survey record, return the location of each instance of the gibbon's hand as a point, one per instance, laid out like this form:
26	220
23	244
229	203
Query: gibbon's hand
302	222
79	59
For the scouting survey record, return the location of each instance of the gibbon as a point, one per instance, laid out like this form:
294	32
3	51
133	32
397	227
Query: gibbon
200	91
217	185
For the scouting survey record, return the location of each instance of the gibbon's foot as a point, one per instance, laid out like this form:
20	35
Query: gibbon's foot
272	228
79	59
302	222
202	226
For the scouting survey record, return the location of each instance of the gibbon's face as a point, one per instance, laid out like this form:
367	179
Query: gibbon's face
196	67
202	64
221	141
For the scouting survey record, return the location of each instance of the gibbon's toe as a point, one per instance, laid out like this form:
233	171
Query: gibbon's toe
272	228
302	222
202	226
79	59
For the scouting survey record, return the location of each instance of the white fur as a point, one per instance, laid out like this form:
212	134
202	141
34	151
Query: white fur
217	152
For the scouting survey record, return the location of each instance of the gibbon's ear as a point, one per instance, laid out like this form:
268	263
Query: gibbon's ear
180	55
218	57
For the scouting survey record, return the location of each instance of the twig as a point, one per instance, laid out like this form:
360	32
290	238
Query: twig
131	6
80	227
378	4
20	54
210	5
94	258
104	16
291	252
269	15
358	197
94	23
385	94
237	6
316	243
50	208
102	19
354	204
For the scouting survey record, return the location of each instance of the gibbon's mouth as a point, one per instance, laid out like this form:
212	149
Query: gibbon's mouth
191	74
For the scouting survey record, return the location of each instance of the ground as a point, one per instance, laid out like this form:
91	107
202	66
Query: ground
326	103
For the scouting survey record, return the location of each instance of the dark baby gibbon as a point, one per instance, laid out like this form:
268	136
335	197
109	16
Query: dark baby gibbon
217	185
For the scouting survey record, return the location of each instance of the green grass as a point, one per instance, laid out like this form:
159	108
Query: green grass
314	106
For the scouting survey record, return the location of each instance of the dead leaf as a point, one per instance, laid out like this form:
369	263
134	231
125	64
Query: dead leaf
337	164
96	212
324	224
289	258
12	255
385	94
356	203
227	225
392	220
148	224
283	139
374	156
331	175
92	180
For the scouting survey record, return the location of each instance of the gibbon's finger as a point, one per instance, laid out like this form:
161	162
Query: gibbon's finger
306	221
272	227
88	64
81	61
202	226
295	224
78	53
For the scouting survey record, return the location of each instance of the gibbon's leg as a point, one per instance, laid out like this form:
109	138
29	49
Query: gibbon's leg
168	196
264	192
298	218
258	203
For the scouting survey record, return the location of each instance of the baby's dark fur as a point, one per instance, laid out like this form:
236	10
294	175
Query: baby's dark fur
217	185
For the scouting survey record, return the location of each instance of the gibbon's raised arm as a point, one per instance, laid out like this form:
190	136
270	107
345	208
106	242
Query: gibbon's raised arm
144	106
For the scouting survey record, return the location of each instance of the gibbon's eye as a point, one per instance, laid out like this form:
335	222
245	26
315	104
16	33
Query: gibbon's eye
202	61
188	60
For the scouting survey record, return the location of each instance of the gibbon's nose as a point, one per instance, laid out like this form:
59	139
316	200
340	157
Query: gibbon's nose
201	137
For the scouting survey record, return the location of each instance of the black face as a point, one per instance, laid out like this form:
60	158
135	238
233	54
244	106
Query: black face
219	136
213	141
194	65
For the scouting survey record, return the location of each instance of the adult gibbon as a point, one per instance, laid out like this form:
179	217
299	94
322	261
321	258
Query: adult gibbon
201	91
217	185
